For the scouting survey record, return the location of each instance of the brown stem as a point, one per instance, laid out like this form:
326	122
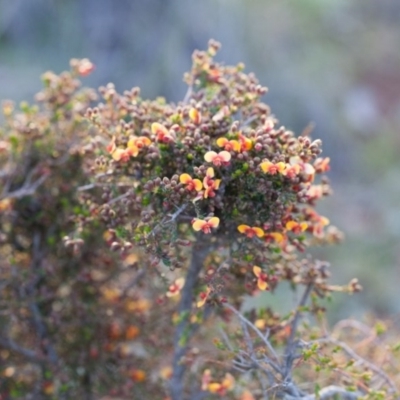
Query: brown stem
183	330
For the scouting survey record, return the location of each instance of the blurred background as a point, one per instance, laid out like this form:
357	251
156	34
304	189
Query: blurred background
331	63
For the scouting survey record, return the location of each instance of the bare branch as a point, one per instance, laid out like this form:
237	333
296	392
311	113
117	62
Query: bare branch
328	393
28	189
29	291
291	345
264	338
29	355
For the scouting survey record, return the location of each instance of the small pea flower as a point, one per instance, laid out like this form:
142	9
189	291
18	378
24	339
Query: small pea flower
195	116
85	67
205	225
176	287
218	159
322	165
117	154
162	133
291	171
203	298
270	168
317	222
246	144
276	236
250	232
221	388
136	143
228	145
210	184
262	278
296	227
191	184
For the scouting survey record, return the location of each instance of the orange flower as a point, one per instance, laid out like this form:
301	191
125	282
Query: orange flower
203	297
137	375
214	75
262	278
131	332
205	225
296	227
270	168
222	387
278	237
245	143
121	155
191	184
222	158
228	145
176	287
322	165
210	184
318	223
116	153
5	204
195	115
162	133
291	171
166	372
250	232
136	143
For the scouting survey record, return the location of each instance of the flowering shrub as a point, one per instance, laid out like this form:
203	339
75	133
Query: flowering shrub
132	227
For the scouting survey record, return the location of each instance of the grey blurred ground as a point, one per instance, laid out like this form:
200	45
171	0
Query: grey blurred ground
335	63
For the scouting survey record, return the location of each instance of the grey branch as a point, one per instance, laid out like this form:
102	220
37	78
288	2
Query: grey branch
327	393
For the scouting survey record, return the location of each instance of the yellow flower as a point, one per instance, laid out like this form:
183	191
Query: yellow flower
262	278
195	115
296	227
205	225
270	168
137	375
246	144
136	143
211	185
191	184
228	145
250	232
162	133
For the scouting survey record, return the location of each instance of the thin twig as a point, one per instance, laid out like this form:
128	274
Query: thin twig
264	338
29	355
290	347
328	393
355	356
188	95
